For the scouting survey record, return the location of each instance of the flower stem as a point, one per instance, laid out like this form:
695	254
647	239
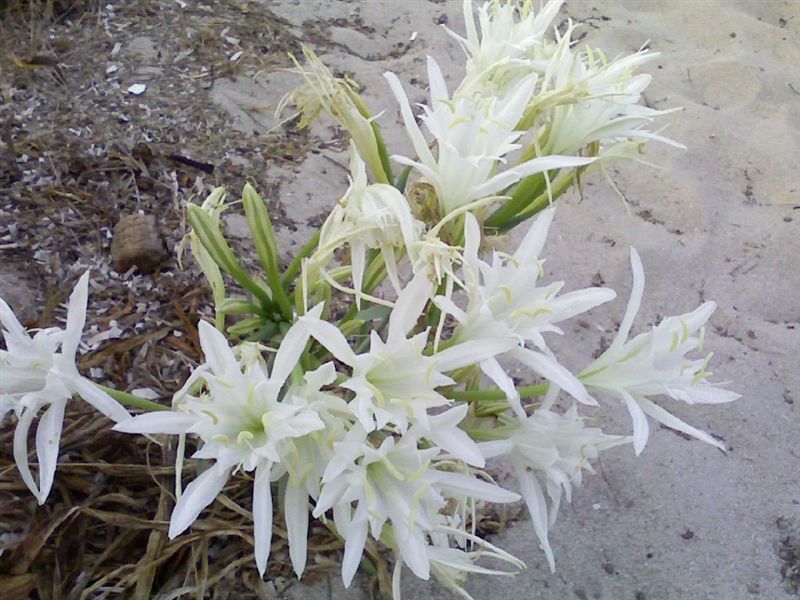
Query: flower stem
497	394
291	271
129	399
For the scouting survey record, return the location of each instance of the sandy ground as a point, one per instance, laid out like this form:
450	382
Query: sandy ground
720	221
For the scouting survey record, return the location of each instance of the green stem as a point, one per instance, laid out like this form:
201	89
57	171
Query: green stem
129	399
294	266
530	391
542	201
495	433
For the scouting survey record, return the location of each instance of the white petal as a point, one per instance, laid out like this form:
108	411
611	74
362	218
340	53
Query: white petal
409	306
169	422
291	348
10	323
662	416
445	433
492	369
76	317
355	538
98	399
21	448
436	83
331	339
471	352
531	246
215	347
550	369
48	437
412	129
537	507
470	486
296	514
262	516
635	301
496	448
197	495
641	429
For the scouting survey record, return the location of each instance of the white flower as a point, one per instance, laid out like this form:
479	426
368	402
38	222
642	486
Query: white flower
398	483
373	216
549	452
451	565
505	302
39	373
654	363
473	136
395	381
507	49
244	424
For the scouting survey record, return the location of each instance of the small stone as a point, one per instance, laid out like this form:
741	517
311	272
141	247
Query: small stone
137	89
137	243
14	289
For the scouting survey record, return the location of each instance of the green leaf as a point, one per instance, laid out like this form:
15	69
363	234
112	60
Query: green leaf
207	229
266	245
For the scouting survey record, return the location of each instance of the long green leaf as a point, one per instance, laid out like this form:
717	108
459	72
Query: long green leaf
266	245
207	230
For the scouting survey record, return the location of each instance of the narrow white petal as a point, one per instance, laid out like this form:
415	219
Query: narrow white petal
532	244
470	486
296	515
262	516
446	434
10	322
215	347
436	83
550	369
537	507
21	448
409	305
412	129
76	317
496	448
355	539
641	429
331	339
48	437
197	495
635	301
98	399
471	352
492	369
169	422
673	422
291	348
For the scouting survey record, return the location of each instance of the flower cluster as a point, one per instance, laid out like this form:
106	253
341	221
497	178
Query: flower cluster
377	408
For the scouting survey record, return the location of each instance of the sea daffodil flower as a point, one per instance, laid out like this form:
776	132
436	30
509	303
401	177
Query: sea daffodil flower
369	216
654	363
243	424
549	452
504	301
473	137
398	483
395	381
39	373
509	46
